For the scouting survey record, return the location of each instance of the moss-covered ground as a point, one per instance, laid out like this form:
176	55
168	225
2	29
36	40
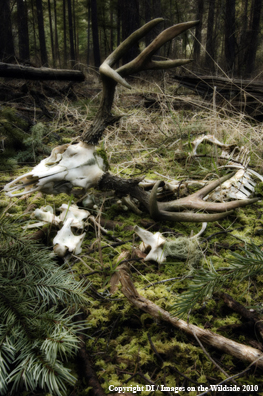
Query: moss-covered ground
127	346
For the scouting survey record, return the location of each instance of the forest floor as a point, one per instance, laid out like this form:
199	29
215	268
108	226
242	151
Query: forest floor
127	346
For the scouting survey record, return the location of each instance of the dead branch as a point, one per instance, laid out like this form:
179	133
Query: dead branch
243	311
239	351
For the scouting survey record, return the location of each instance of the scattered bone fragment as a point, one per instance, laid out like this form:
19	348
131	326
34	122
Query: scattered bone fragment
46	215
209	139
203	228
65	241
182	248
242	184
73	212
88	201
156	243
126	201
71	217
147	183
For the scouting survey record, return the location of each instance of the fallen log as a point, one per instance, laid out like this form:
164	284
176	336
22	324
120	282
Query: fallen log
239	351
243	95
9	70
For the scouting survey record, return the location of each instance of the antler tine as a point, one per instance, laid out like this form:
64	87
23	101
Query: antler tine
129	41
143	61
106	67
159	214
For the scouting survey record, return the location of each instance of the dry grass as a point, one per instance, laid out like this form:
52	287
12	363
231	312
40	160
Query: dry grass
147	140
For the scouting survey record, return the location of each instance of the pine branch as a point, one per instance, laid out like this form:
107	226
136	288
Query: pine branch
243	265
36	335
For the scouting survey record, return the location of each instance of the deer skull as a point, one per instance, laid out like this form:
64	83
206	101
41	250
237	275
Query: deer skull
67	167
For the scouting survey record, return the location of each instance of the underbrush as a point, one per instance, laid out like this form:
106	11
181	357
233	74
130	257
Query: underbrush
129	347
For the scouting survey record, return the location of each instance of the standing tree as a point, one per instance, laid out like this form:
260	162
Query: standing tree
57	53
252	41
71	34
198	30
95	33
41	33
6	42
65	33
210	48
23	37
130	21
51	33
230	40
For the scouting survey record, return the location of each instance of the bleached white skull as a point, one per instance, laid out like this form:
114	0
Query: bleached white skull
67	167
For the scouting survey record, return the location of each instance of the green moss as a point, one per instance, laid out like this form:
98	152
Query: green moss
101	152
259	189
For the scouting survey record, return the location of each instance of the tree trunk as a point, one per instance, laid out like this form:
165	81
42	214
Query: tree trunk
147	18
6	42
210	52
51	34
130	22
88	32
111	27
23	38
57	53
242	42
65	33
198	30
34	27
95	33
71	36
230	40
250	56
41	32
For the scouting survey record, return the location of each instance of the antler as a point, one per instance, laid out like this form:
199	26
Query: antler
170	210
111	77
